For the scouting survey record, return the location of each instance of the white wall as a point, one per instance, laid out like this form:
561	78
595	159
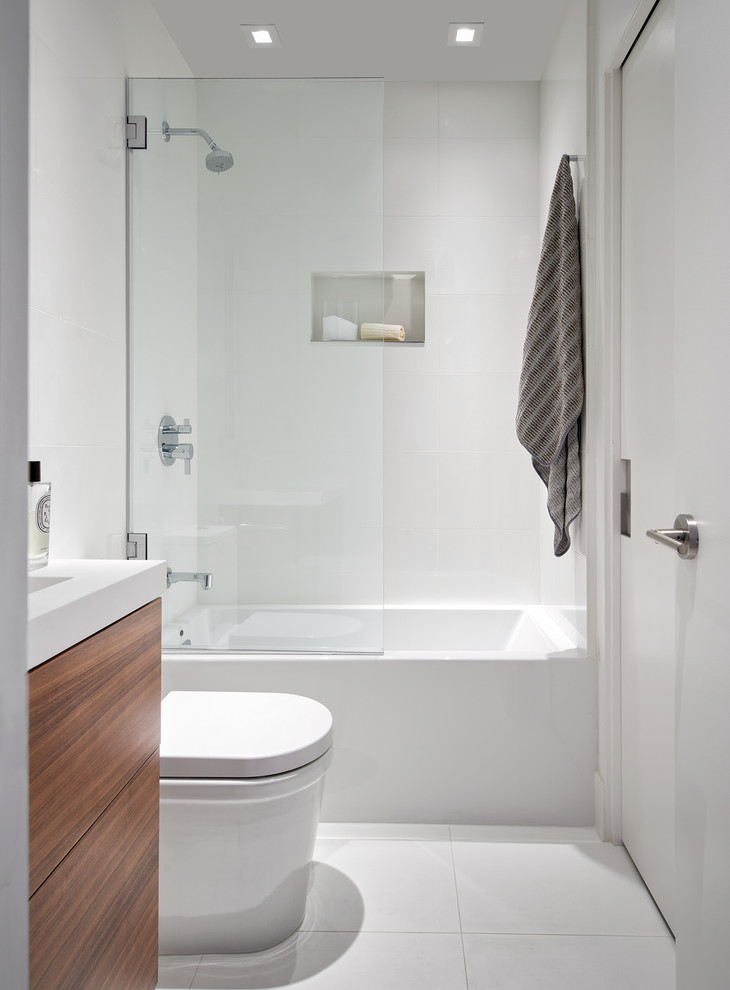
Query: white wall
13	491
564	130
461	203
81	52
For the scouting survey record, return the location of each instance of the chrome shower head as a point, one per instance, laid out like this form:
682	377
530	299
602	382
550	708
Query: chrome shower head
217	160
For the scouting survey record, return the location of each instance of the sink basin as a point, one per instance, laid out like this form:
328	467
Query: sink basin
70	600
37	582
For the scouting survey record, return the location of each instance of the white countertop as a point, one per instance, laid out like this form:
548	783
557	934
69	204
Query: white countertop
70	600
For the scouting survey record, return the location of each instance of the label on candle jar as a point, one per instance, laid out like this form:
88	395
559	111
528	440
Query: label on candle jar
43	513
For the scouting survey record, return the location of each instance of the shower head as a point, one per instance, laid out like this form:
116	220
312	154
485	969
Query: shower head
217	160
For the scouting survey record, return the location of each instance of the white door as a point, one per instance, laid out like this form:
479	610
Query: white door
702	350
648	570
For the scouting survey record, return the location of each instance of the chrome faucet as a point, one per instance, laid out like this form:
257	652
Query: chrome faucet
205	580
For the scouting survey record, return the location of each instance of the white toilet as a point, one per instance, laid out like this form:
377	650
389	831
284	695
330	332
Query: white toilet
241	781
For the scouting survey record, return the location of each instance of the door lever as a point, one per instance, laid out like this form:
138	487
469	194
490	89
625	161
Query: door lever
684	538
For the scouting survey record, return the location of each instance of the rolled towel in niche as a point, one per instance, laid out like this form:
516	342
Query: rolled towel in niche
381	331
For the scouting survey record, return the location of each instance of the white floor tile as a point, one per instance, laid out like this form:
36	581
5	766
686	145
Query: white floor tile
523	833
582	889
403	886
177	972
559	962
376	830
343	961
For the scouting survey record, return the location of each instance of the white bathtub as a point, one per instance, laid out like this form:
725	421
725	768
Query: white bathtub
470	716
403	632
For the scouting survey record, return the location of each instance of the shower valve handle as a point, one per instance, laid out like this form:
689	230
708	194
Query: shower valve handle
168	434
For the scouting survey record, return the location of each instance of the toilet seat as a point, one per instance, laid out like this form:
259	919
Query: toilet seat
240	734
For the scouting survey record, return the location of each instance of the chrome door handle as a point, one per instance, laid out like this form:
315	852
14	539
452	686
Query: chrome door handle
684	538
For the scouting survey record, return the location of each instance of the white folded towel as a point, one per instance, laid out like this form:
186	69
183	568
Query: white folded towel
381	331
337	328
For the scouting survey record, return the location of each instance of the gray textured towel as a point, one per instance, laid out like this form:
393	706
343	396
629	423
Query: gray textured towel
551	383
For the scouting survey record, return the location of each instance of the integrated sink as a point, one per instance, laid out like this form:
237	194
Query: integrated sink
79	597
37	582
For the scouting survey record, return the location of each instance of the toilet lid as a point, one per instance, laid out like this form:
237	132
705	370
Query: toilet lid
240	734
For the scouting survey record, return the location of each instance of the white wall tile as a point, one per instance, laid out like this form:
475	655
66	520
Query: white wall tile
495	565
64	103
411	177
261	108
77	260
487	177
82	34
411	566
349	108
411	110
336	243
482	334
487	255
488	110
411	497
475	488
75	371
340	176
411	412
411	244
477	412
478	246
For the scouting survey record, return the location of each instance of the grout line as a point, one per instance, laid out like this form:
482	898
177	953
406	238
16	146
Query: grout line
374	931
200	963
492	934
458	909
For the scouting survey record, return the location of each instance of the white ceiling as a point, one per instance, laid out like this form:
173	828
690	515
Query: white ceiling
393	39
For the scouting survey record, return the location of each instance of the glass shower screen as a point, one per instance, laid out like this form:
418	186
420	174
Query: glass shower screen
256	411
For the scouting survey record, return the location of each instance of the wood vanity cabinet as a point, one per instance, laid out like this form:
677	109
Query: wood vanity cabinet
94	733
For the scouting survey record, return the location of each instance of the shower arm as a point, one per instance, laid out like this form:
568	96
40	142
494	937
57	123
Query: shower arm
167	131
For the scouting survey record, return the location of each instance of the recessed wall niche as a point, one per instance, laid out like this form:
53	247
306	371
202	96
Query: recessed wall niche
349	299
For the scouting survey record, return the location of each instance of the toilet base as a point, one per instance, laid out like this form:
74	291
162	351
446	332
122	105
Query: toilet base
235	858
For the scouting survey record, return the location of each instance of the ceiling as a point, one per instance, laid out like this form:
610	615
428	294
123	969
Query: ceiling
392	39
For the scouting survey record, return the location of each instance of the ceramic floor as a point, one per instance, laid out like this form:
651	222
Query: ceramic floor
458	908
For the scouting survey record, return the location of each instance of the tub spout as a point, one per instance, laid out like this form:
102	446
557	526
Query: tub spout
205	580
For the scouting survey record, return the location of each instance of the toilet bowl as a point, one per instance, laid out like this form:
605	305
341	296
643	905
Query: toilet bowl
241	781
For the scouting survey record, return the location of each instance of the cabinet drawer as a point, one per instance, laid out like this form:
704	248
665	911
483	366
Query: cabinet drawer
93	923
94	718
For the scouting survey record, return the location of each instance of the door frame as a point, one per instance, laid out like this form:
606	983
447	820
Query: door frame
603	415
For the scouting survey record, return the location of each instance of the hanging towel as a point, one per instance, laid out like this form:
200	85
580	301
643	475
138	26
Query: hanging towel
551	384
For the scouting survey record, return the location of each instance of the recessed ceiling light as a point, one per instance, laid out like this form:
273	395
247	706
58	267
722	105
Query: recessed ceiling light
465	35
261	36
